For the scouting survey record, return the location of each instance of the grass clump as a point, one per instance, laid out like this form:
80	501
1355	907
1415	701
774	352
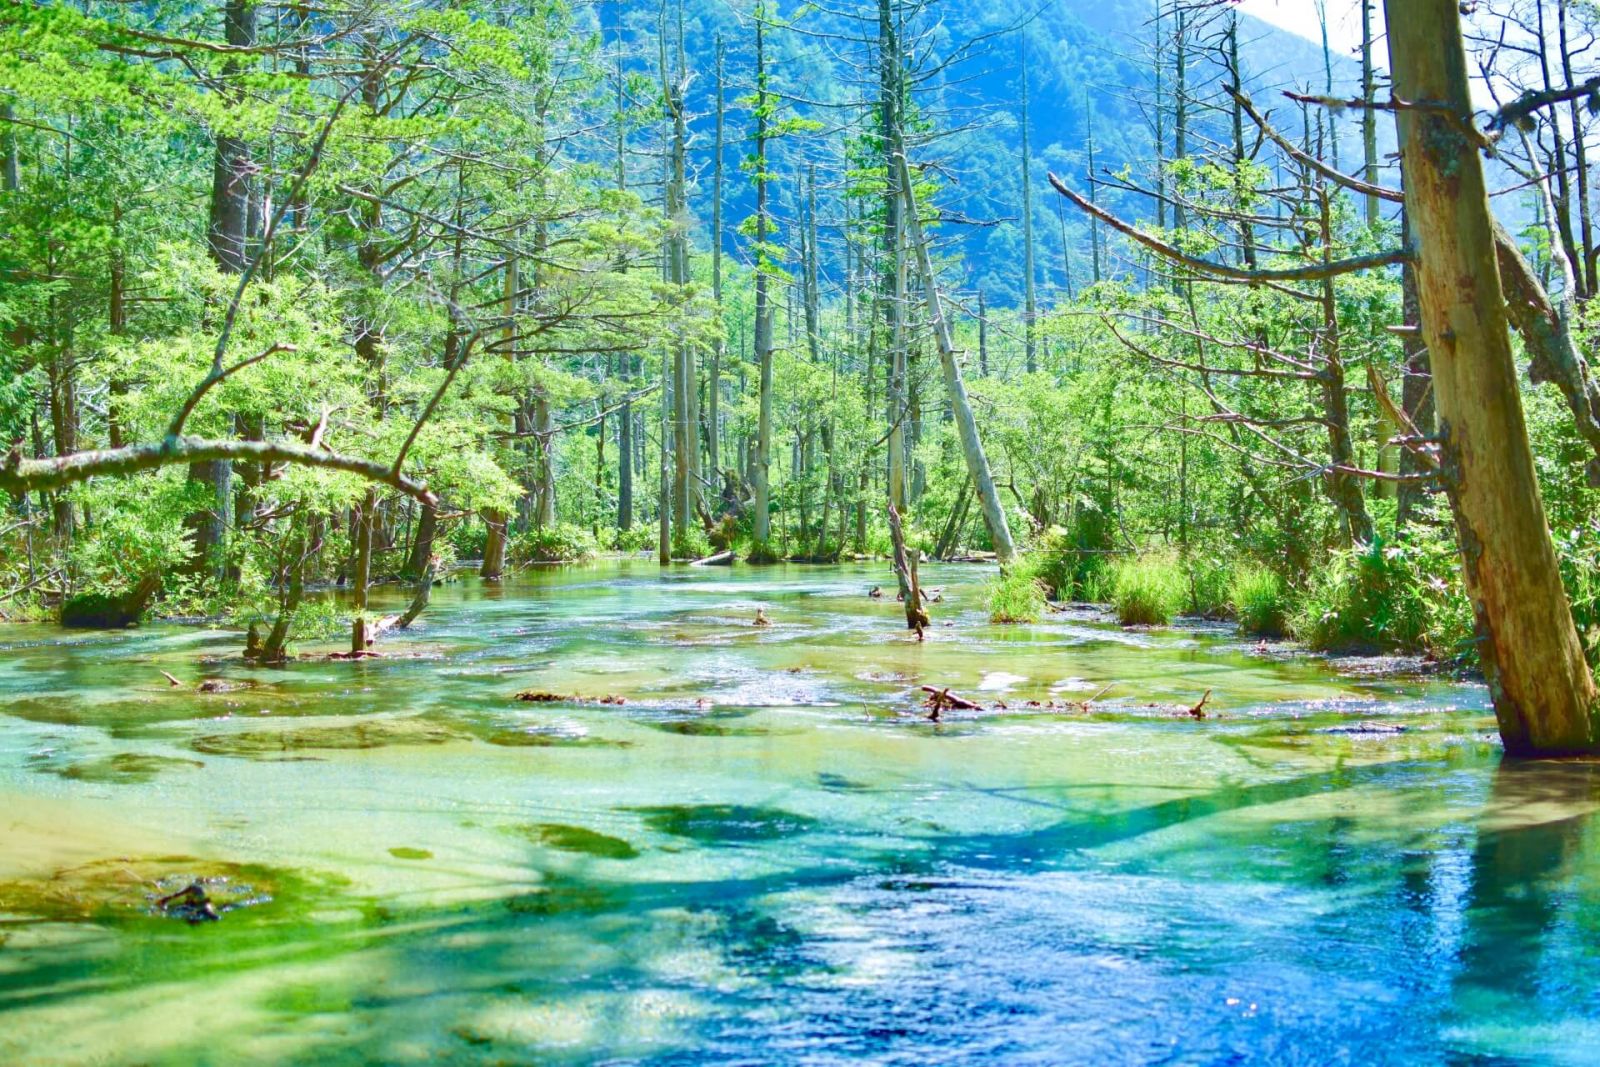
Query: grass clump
1148	590
1372	597
1017	594
1259	601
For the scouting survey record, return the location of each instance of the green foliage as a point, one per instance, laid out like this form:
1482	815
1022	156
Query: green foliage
1386	597
1258	600
560	543
1148	590
1017	594
1208	581
636	538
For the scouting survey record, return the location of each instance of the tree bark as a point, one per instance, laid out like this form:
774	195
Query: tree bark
1541	686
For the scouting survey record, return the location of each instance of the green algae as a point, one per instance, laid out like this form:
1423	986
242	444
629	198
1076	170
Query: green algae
579	839
380	733
122	768
402	852
707	727
129	889
561	896
718	824
539	737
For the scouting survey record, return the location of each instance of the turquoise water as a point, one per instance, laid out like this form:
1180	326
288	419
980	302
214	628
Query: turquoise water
766	853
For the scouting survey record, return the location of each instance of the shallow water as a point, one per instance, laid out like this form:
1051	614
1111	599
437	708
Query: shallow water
767	854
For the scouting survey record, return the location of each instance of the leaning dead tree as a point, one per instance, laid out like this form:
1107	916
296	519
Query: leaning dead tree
977	461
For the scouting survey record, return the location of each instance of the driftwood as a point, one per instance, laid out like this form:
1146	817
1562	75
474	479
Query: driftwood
718	559
943	698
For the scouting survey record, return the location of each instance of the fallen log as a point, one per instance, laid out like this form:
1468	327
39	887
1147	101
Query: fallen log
717	559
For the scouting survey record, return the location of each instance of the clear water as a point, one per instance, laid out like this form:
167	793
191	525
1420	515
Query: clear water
767	854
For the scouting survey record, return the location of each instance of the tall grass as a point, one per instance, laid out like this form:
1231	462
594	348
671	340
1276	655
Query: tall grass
1259	601
1148	591
1017	594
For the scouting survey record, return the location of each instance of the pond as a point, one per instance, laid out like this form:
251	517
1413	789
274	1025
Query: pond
759	848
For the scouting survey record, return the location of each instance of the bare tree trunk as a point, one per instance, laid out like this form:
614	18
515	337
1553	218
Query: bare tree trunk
685	449
228	235
1369	116
664	484
971	445
762	551
719	343
1585	270
10	169
1541	686
1343	488
1030	303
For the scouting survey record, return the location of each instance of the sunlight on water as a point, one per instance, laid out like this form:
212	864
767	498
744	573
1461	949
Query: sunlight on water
760	849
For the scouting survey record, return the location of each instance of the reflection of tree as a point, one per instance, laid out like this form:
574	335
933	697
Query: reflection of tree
1536	817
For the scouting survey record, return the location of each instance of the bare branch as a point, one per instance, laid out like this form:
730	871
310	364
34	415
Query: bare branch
20	475
1310	272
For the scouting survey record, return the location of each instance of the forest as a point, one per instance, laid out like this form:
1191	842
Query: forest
971	369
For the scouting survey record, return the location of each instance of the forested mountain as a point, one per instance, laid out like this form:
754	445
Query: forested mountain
1092	89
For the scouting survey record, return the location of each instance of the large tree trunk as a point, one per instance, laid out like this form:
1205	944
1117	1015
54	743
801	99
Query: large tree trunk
422	544
1542	689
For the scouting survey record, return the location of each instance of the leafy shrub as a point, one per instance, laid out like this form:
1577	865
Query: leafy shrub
560	543
1259	601
636	538
1148	591
694	544
468	539
1072	563
1371	597
1017	594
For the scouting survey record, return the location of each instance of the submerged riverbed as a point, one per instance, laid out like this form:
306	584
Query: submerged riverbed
767	854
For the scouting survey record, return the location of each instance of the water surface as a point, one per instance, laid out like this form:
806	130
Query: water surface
766	853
